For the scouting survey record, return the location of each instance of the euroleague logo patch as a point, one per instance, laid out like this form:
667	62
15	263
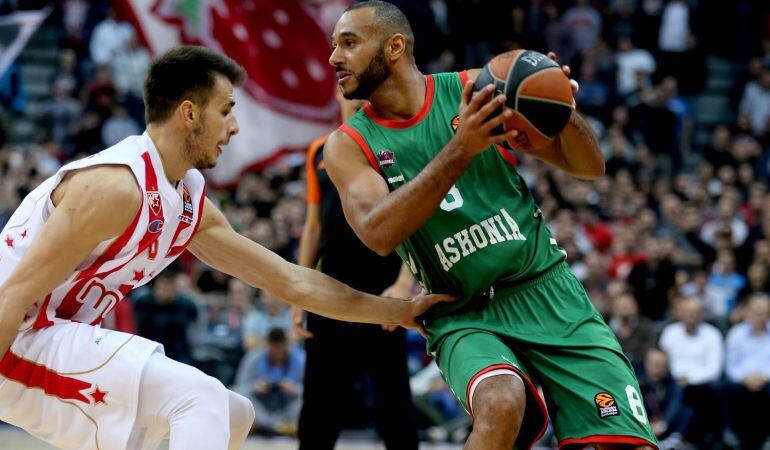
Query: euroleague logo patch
606	405
385	159
455	123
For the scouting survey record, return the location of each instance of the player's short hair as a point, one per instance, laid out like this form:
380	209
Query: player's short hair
185	73
389	20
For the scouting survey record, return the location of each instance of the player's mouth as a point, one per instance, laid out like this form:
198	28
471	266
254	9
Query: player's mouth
343	76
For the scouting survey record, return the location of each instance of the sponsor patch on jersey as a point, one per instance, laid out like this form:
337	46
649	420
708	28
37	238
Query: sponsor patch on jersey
606	405
156	226
386	159
188	206
455	123
153	198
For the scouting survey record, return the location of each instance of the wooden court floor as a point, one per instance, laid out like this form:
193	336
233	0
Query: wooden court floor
15	439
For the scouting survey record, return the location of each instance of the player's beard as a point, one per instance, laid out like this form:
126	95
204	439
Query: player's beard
370	78
194	149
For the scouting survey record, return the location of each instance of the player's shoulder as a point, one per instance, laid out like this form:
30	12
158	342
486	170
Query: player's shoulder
111	185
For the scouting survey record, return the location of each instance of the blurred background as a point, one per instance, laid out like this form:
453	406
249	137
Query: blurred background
672	245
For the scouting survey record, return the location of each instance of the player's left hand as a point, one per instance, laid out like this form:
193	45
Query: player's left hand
573	83
396	290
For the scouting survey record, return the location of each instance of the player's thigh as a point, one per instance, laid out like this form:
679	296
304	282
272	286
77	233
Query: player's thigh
592	393
467	358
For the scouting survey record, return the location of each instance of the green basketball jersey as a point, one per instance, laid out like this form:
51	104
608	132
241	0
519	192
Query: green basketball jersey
488	229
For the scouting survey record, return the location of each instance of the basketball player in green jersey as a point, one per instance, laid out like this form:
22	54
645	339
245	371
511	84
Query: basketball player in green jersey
419	176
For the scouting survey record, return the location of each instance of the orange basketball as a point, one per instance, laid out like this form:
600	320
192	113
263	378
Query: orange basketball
538	92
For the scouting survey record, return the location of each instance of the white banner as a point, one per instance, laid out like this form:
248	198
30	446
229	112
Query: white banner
288	99
16	29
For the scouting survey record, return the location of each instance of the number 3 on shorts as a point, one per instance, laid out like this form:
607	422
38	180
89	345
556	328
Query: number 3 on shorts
456	202
635	401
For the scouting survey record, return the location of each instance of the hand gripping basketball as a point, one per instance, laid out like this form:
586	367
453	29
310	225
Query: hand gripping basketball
475	130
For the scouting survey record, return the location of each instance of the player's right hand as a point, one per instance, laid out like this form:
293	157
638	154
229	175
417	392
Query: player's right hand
475	129
298	323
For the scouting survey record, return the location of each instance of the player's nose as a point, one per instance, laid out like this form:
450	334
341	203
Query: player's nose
335	59
234	128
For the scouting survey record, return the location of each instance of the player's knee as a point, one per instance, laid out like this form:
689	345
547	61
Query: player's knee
498	404
241	412
207	393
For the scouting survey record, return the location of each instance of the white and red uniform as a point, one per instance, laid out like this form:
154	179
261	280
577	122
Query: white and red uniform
65	379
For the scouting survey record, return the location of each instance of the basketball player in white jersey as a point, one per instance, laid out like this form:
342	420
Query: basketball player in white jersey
108	223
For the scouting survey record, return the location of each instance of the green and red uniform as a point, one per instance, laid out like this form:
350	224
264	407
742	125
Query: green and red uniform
521	311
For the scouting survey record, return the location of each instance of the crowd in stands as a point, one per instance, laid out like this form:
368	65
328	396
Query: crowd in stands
672	245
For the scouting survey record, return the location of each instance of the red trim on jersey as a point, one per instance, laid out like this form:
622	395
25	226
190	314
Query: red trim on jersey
70	305
463	77
507	155
180	248
401	124
35	375
362	144
528	384
605	439
42	319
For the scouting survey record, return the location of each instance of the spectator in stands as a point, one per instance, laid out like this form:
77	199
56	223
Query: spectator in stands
100	93
221	338
66	77
13	97
436	407
109	39
61	115
636	334
755	104
272	313
651	280
128	68
724	283
664	400
635	65
748	373
272	379
166	316
696	354
118	127
582	25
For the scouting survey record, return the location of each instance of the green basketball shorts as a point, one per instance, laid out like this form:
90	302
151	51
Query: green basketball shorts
545	330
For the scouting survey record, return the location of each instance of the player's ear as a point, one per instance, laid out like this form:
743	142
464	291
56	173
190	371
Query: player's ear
396	47
188	113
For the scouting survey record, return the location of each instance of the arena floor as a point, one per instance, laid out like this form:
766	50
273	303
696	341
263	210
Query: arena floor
15	439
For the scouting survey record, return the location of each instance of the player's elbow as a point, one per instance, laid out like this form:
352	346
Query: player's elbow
379	241
382	247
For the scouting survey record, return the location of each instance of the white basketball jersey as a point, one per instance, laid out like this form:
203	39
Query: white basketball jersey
160	231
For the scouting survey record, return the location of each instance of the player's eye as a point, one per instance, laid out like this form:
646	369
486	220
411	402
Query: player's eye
348	43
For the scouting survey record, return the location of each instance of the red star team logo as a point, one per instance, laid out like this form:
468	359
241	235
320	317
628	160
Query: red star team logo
98	396
139	276
9	241
153	197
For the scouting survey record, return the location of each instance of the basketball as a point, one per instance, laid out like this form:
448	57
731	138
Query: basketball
536	90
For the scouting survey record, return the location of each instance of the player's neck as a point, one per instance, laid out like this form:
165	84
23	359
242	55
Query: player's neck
401	96
174	164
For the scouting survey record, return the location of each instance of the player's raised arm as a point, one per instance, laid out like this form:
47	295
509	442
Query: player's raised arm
218	245
92	205
383	220
576	149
